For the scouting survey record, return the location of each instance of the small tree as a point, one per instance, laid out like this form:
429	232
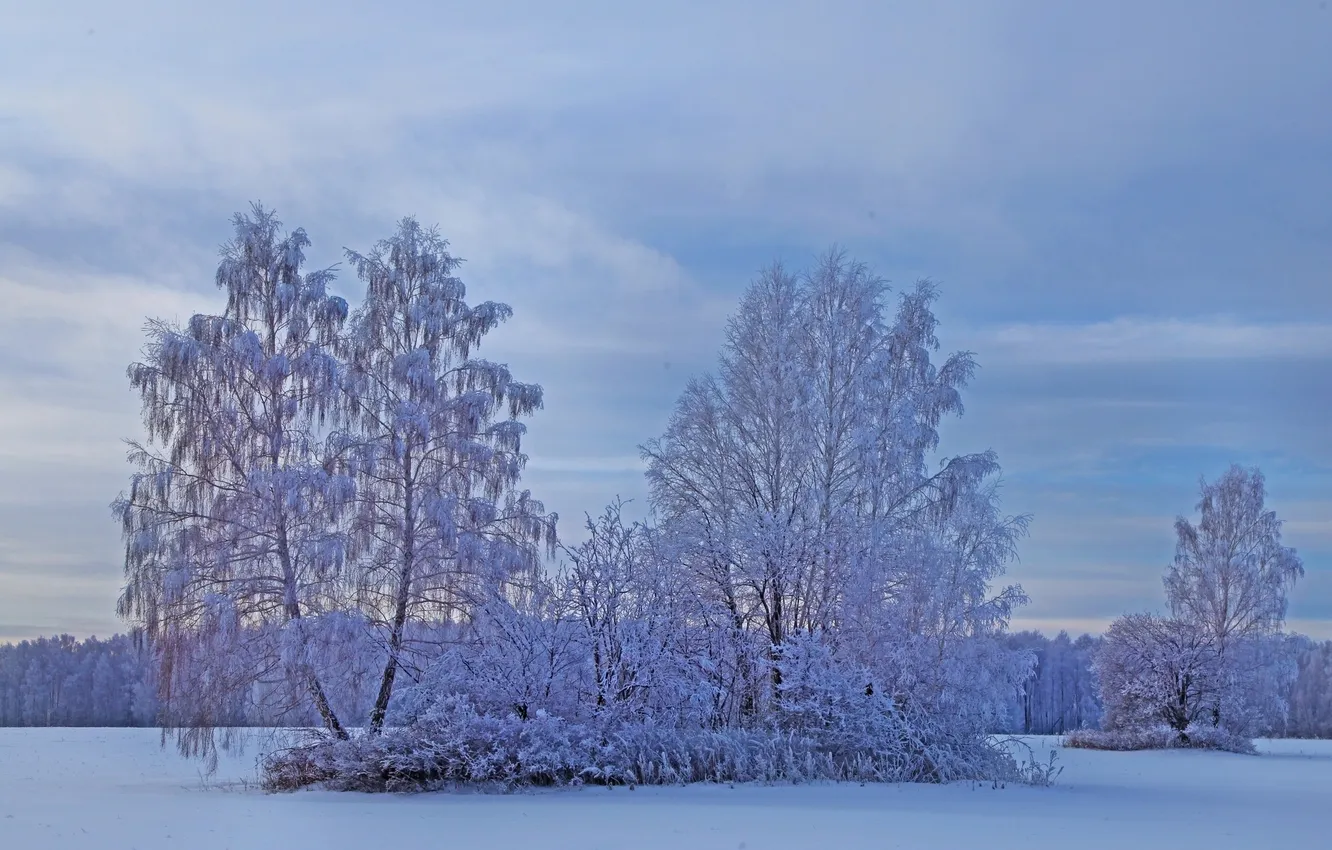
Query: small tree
620	593
1154	670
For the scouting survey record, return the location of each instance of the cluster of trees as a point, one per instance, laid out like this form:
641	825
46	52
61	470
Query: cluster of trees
1062	695
60	681
1218	670
327	504
319	487
314	481
795	496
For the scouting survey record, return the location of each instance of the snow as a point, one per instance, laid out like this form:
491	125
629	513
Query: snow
115	788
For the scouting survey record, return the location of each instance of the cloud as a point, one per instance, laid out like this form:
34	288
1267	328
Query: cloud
1153	340
631	463
1125	204
1316	629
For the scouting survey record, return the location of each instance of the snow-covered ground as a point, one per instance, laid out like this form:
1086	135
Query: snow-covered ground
115	788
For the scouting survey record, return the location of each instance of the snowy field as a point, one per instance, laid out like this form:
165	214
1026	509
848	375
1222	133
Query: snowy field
114	788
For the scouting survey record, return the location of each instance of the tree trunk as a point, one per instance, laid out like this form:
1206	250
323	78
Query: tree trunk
380	709
293	609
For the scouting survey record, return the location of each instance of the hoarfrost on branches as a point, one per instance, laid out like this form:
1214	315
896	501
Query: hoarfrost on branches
812	598
233	551
323	506
434	445
1231	573
1217	672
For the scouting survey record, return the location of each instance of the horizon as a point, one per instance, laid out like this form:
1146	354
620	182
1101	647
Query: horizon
1128	225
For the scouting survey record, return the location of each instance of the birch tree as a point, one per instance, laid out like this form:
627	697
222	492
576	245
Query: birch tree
232	548
1230	578
797	482
1231	574
435	446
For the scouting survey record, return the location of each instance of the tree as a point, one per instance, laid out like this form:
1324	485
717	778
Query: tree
232	547
796	486
1156	670
620	592
1231	573
1229	579
433	443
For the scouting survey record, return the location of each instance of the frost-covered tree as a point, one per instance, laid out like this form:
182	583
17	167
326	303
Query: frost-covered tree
519	657
798	491
1155	670
1230	578
232	547
433	440
1231	574
1220	656
620	592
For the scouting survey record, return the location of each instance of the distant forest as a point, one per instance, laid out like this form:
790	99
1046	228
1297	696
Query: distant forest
61	681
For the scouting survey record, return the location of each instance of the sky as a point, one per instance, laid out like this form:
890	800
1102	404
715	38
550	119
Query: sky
1127	208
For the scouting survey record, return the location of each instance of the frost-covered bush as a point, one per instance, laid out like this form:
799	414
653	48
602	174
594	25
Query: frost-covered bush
452	743
1203	736
825	721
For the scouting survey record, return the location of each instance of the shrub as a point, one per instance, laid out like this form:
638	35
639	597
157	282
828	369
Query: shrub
452	743
1202	736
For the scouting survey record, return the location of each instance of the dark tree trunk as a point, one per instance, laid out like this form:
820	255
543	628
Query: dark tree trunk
403	594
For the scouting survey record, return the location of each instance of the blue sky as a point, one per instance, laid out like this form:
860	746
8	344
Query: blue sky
1126	206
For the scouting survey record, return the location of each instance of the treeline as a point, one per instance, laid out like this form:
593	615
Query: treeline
61	681
1310	694
1060	694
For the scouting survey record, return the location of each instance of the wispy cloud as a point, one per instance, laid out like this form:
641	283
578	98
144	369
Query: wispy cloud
1308	523
1153	340
630	463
